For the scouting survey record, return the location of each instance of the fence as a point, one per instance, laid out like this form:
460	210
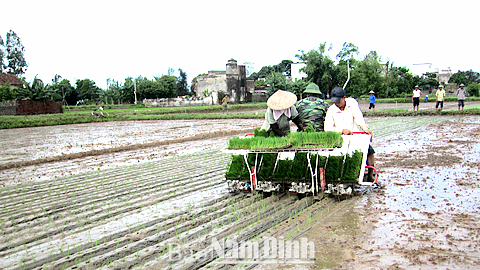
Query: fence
8	107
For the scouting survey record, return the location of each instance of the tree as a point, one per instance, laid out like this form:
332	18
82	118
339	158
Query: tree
465	77
36	90
319	68
284	67
458	78
472	76
7	94
473	89
275	81
347	52
171	71
69	93
298	86
87	89
2	55
169	84
16	61
182	83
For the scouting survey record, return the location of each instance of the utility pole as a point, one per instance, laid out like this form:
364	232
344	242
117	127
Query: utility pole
135	89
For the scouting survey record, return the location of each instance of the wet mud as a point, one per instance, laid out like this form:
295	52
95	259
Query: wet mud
124	209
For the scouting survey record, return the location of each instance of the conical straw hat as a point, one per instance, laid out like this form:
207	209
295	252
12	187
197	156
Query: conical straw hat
281	100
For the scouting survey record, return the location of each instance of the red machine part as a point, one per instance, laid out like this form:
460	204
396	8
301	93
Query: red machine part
322	179
254	182
375	170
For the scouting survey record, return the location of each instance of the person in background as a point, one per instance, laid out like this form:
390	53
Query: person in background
426	98
373	100
225	101
440	97
417	94
281	109
461	96
312	109
345	116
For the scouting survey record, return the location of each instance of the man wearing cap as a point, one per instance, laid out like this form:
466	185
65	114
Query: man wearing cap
417	94
373	100
312	109
440	97
461	96
345	116
281	109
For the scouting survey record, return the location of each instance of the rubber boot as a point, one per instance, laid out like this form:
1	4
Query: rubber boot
370	177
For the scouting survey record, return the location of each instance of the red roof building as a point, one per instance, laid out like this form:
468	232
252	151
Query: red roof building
10	78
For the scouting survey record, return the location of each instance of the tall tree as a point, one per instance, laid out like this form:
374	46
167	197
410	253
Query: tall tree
87	89
347	52
182	83
319	68
2	55
16	61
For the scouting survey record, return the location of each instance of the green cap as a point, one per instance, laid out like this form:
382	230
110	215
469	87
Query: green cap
312	89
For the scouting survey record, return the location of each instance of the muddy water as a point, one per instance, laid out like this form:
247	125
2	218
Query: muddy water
425	214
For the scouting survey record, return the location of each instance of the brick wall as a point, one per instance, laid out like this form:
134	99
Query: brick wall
26	107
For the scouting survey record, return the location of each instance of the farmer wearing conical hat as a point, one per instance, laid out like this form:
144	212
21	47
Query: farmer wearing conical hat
373	100
281	109
440	94
312	109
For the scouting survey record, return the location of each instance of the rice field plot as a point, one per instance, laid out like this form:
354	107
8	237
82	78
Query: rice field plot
128	217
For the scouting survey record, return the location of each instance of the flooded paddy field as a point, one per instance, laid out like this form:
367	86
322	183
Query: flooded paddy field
125	209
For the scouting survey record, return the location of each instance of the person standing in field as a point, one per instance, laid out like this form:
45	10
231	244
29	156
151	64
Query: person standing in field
426	98
225	101
417	94
461	96
312	109
440	98
373	100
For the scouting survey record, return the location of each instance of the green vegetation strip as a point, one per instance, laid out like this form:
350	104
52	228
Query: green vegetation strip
404	112
7	122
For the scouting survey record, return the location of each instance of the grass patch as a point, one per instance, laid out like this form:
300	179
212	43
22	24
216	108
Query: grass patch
404	112
21	121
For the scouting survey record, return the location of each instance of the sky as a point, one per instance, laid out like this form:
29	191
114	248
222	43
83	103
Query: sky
103	39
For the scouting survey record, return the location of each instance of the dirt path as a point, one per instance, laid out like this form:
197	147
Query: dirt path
124	210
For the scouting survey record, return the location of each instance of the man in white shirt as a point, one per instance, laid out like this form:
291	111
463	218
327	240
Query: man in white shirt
417	94
345	116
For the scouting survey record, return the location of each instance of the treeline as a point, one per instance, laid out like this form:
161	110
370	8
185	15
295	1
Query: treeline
165	86
366	74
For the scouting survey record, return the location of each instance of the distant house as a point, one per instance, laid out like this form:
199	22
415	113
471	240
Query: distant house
11	79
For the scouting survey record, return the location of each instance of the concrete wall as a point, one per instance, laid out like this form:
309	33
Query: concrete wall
178	102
